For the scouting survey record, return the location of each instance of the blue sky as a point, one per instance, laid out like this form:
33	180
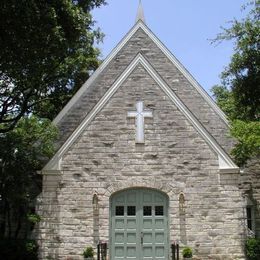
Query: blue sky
184	26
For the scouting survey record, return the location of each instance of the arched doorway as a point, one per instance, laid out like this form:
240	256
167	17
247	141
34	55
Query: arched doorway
139	225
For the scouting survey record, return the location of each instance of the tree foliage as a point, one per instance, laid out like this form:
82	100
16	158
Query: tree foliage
248	137
242	75
239	96
46	54
23	151
225	99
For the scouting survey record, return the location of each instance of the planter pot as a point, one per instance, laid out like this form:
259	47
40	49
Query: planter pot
88	258
187	258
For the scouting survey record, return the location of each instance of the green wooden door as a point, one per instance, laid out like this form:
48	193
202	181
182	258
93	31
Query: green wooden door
139	225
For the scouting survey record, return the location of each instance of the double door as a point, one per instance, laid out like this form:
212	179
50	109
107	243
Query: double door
139	225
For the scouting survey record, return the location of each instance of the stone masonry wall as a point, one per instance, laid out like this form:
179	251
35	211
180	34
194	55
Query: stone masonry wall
174	159
141	43
47	232
250	187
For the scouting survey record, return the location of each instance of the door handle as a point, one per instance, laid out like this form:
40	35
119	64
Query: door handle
142	238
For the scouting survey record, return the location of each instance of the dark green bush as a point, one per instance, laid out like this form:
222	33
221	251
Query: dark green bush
187	252
18	249
88	252
253	249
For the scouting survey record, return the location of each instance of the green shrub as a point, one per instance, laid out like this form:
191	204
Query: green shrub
33	218
187	252
88	252
253	248
31	247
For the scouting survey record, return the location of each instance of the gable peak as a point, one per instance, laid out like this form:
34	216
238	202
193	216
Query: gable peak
140	13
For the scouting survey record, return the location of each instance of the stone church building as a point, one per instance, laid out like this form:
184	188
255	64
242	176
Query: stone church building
143	161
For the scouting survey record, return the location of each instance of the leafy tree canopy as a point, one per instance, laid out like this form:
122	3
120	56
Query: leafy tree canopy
239	96
46	54
248	137
23	150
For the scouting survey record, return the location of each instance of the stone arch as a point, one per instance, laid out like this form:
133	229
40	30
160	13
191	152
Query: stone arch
164	187
121	191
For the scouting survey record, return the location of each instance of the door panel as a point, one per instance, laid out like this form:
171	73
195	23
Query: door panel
139	225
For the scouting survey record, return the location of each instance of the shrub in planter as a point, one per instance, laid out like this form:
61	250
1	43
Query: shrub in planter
253	248
88	253
187	252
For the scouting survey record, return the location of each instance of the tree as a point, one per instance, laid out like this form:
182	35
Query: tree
23	151
242	75
46	54
239	96
248	140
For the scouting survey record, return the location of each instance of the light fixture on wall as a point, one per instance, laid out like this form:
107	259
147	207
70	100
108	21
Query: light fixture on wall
95	202
182	203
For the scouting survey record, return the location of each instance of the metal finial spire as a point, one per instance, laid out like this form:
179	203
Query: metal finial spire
140	13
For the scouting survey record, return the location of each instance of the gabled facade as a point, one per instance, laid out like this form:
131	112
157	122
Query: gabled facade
143	160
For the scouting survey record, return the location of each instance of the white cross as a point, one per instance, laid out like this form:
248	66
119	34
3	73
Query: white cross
139	115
